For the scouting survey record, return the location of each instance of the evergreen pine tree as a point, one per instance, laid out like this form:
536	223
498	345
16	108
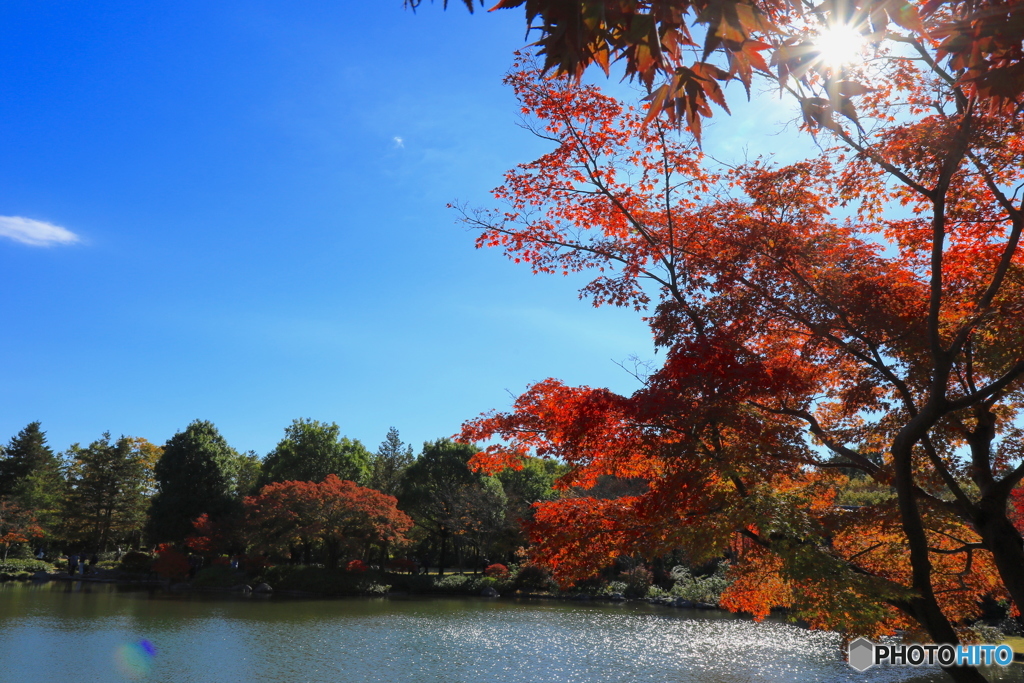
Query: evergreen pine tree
388	464
25	453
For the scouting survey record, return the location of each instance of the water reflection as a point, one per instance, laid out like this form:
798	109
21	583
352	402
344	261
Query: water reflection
75	632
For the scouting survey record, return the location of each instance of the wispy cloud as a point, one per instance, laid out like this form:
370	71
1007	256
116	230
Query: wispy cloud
35	233
399	142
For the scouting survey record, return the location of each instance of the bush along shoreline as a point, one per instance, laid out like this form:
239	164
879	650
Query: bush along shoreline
174	570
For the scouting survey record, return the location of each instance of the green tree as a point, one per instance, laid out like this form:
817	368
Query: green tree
24	454
108	490
246	471
30	474
534	483
453	505
42	492
310	450
193	476
388	464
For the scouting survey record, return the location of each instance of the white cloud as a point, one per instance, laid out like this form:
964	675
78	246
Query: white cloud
35	233
399	142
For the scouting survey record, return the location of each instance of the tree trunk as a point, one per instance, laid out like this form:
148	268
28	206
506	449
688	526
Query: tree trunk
1003	540
925	608
443	557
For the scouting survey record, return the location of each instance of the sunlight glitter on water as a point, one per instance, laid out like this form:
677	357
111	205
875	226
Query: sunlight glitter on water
415	640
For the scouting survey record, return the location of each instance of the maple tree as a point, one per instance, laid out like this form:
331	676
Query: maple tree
808	329
170	563
684	51
16	526
334	515
216	537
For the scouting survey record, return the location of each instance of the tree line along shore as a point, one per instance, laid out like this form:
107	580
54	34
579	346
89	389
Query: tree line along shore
319	514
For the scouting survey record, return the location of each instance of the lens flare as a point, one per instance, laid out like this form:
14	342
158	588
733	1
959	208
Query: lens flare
135	660
840	45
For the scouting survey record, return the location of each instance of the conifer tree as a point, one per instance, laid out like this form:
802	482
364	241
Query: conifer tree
23	455
388	464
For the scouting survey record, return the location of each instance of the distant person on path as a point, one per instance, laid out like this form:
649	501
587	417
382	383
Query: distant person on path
72	564
195	563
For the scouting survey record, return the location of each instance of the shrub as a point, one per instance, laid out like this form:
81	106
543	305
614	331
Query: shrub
323	581
412	583
216	576
700	588
402	565
13	566
136	562
372	588
613	587
980	632
533	577
656	592
453	583
21	551
254	564
170	563
498	571
356	567
638	580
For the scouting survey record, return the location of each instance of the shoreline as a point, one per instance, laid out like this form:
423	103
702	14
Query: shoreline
187	587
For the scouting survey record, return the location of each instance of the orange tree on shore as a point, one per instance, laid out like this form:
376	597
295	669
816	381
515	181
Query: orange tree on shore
334	516
797	344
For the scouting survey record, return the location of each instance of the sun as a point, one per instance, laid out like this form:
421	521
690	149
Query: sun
840	45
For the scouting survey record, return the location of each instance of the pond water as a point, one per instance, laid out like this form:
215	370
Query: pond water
91	632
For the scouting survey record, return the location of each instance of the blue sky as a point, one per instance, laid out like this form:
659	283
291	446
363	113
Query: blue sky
252	198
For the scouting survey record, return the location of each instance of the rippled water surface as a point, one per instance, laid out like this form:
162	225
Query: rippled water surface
67	632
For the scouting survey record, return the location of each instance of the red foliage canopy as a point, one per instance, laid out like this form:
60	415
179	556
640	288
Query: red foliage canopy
335	513
795	344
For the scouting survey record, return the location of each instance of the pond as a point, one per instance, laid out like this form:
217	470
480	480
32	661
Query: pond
92	632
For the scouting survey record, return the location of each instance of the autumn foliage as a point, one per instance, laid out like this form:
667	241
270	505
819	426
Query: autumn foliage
685	51
214	537
16	526
170	562
336	515
496	570
807	330
356	566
